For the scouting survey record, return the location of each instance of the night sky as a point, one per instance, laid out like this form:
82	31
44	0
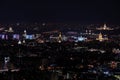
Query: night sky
86	11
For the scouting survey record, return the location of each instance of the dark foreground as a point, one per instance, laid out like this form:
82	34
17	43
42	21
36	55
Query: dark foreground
60	61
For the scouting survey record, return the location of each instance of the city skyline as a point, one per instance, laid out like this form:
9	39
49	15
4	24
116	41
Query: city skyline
59	40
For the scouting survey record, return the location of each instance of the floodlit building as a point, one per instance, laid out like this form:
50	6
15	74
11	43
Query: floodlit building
60	37
56	38
80	38
101	38
10	29
104	27
25	33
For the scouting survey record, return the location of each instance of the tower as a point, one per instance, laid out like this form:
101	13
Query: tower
10	29
10	33
60	37
104	27
25	33
24	36
100	37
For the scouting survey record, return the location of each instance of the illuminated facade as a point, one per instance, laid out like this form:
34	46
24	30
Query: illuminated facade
7	36
81	38
60	37
57	38
25	33
101	38
10	30
104	27
16	36
3	36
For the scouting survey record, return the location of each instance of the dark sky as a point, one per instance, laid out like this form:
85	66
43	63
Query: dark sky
86	11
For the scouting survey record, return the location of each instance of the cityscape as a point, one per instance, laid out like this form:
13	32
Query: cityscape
59	40
67	53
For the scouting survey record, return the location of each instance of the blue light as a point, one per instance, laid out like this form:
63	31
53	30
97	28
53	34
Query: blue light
81	38
29	36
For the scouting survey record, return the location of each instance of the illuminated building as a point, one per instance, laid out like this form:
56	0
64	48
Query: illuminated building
88	31
28	36
25	33
39	40
56	38
116	51
80	38
9	34
24	41
104	27
3	36
60	37
100	37
31	36
10	30
16	36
